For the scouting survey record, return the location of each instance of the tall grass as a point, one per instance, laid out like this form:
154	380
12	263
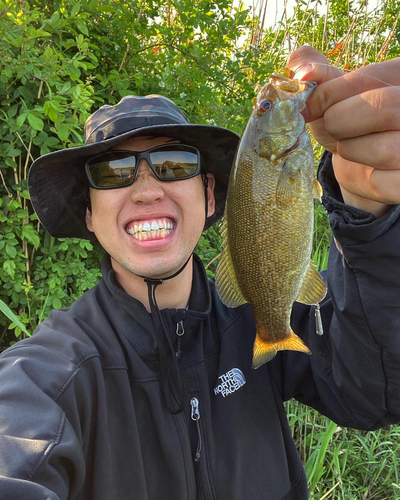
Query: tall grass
344	464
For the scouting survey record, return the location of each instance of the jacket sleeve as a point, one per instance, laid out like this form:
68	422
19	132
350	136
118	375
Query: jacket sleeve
41	451
353	374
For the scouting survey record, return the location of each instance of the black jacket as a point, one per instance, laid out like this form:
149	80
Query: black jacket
82	415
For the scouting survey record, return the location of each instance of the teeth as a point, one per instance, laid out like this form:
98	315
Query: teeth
153	229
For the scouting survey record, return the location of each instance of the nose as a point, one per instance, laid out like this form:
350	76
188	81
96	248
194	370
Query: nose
147	188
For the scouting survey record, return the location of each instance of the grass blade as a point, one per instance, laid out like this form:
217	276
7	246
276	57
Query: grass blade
12	317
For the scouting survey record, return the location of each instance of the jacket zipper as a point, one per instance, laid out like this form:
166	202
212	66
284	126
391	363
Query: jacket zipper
204	482
194	403
179	331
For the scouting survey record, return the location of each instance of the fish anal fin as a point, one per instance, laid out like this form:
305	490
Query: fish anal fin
313	288
225	277
317	190
288	187
265	351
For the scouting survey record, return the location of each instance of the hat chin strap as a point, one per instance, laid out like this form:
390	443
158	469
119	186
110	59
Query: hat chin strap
173	393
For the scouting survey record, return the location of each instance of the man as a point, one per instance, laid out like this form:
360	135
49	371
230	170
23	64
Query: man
143	388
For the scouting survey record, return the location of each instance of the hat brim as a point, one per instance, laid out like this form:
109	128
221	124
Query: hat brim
57	181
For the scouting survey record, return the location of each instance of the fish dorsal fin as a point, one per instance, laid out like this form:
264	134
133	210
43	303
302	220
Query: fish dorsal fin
313	288
317	189
225	278
288	187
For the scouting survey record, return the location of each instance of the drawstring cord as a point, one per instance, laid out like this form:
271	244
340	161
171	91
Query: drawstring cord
165	347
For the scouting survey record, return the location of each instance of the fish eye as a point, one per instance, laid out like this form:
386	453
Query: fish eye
265	106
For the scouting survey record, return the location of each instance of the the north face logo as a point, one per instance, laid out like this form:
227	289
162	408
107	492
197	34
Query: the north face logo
230	382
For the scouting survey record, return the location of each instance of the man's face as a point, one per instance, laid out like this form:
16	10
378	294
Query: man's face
175	212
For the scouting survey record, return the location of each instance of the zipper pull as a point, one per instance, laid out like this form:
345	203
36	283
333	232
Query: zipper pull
179	331
194	403
319	329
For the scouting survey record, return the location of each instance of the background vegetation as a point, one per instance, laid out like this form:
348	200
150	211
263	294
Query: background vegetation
61	60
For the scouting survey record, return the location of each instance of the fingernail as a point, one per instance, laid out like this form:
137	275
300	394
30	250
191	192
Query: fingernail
302	70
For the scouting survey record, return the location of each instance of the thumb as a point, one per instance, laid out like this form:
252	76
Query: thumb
309	64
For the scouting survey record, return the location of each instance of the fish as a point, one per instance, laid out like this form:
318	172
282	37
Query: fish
267	227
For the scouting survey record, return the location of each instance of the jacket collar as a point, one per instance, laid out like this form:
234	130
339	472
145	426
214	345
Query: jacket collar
135	324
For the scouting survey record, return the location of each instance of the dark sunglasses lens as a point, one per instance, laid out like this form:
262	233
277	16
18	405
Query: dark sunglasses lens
175	163
112	169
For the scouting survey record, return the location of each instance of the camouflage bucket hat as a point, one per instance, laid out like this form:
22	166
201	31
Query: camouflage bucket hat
57	182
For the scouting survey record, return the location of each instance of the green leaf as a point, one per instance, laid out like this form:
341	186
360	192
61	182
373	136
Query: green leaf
57	304
35	122
21	214
75	9
12	317
13	152
55	20
50	110
29	234
82	27
9	267
11	251
25	194
64	88
106	8
12	111
21	119
13	204
63	132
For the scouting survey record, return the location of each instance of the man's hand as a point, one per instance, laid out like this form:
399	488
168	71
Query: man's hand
356	116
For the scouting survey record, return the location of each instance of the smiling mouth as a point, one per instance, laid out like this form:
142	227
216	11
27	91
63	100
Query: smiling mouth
150	229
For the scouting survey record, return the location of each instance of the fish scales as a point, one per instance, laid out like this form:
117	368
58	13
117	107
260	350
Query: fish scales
268	223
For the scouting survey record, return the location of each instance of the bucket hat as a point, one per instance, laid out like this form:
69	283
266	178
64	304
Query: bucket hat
57	181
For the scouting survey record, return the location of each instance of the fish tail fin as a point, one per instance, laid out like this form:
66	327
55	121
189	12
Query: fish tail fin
264	351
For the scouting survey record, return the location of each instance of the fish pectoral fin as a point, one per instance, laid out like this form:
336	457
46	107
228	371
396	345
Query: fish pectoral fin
265	351
317	190
225	277
313	288
288	187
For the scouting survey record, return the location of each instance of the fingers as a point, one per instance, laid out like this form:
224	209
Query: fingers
356	117
369	186
385	153
374	76
372	111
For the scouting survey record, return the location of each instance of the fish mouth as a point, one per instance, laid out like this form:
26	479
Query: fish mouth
151	229
290	150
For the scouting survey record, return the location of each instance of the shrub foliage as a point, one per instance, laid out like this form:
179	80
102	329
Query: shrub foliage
61	60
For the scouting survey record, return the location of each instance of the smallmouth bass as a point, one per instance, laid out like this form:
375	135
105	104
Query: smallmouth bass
269	217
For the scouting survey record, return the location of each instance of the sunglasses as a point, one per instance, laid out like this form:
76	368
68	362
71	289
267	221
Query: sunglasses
114	169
